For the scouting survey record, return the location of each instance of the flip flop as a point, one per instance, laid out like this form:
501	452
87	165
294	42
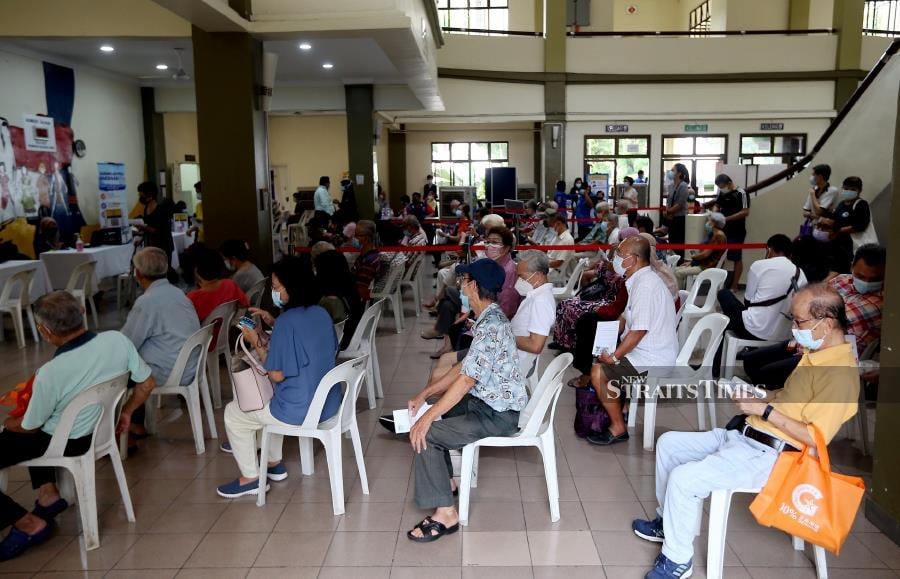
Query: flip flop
427	526
575	383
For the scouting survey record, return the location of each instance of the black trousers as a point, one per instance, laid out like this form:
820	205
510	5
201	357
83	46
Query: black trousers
676	232
448	310
585	329
733	308
770	366
16	447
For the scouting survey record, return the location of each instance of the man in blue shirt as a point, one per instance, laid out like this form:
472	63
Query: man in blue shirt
483	399
83	359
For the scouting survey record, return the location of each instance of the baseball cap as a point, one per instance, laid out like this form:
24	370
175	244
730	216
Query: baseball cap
487	273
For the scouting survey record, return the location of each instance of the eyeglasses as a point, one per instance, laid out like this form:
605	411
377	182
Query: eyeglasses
797	322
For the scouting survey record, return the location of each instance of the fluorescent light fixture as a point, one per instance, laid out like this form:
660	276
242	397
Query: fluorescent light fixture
305	46
162	67
107	48
328	66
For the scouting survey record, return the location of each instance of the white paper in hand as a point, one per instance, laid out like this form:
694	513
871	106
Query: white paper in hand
605	338
402	420
737	388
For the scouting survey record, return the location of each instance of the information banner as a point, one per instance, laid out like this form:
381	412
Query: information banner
40	134
111	181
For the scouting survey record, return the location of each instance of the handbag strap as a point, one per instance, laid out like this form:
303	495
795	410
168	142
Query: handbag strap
793	287
240	343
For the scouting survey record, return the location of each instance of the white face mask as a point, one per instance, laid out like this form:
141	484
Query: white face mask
619	265
523	286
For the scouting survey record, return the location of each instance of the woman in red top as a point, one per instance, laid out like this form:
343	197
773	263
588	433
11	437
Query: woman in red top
213	291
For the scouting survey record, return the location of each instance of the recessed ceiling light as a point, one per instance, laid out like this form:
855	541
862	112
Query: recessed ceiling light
107	48
328	66
162	67
305	46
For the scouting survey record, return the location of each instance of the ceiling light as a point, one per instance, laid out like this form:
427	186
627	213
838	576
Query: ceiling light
107	48
162	67
328	66
305	46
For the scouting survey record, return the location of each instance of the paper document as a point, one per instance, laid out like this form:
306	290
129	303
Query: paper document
402	420
737	387
605	338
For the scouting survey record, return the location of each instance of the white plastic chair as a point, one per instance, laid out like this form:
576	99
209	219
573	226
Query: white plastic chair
329	432
81	285
14	306
682	373
672	260
224	315
719	505
682	302
363	343
390	291
862	418
715	278
535	429
198	387
574	283
339	329
106	395
256	292
411	280
689	280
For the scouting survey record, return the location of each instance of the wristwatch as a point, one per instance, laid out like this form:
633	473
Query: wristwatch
767	412
614	359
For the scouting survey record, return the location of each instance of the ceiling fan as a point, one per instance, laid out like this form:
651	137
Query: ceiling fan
179	74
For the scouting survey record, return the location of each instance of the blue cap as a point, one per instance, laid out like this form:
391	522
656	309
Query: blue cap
487	273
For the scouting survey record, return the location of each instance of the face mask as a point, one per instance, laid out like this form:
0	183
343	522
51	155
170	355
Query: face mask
276	299
691	197
820	235
355	243
458	212
464	299
578	185
847	195
670	175
708	227
867	287
805	337
619	265
492	251
523	287
229	266
812	180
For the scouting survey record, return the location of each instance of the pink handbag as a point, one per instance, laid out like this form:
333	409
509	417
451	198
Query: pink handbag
252	386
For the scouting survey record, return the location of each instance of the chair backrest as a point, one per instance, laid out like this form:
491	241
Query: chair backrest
221	318
200	339
712	324
672	260
350	373
715	278
365	329
255	294
339	329
412	269
721	263
869	352
575	279
531	420
682	302
106	395
393	277
21	280
82	277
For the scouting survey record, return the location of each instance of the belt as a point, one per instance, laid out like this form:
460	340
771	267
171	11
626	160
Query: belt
759	436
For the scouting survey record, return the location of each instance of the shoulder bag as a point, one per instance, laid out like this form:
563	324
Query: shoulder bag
252	387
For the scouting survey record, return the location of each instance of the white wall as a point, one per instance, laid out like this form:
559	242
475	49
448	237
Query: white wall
757	14
469	100
519	53
107	117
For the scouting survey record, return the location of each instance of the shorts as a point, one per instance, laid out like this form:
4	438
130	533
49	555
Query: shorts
461	354
622	373
735	254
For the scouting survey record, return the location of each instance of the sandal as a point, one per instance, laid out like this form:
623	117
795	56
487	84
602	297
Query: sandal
576	383
427	526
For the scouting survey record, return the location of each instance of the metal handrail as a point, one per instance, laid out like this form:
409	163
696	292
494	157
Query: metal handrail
842	114
491	31
699	33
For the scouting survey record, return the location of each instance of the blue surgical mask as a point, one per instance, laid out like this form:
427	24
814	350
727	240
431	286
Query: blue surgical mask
867	287
847	195
458	212
812	180
805	337
670	175
708	227
276	299
464	299
355	243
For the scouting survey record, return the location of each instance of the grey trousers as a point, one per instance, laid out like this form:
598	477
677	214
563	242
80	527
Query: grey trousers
470	420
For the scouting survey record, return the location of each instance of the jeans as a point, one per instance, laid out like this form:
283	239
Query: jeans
689	466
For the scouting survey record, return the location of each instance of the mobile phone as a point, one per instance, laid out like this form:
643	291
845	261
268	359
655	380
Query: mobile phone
247	322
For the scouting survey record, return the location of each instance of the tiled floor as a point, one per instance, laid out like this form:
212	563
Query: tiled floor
183	529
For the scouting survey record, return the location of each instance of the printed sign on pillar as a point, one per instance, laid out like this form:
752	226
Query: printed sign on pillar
111	181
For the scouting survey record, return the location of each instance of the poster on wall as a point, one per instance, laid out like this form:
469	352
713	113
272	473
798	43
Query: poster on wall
40	134
111	181
599	183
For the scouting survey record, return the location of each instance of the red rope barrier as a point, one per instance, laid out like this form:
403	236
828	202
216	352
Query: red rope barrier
580	247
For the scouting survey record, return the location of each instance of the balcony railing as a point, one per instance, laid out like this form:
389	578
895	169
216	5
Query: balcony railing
490	32
699	34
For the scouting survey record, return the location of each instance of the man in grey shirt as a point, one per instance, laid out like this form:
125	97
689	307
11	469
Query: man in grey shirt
160	322
677	203
237	260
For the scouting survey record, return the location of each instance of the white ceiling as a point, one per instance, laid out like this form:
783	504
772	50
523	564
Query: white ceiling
355	60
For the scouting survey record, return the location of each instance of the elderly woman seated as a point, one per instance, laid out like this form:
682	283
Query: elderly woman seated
715	235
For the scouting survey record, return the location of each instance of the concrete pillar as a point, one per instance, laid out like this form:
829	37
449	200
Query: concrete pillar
798	16
233	140
361	146
553	150
848	20
397	164
154	138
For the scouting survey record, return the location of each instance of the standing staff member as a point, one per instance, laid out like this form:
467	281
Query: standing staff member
734	204
677	203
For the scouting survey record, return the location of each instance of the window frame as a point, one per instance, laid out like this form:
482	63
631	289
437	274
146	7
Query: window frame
468	9
693	158
786	158
617	138
499	162
870	18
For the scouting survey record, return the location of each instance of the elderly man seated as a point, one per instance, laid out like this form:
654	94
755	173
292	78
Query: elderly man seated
559	258
822	390
484	399
82	359
160	322
707	258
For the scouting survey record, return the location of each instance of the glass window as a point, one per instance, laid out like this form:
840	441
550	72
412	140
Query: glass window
633	146
440	151
756	145
678	146
772	149
600	147
477	14
700	154
881	17
618	157
480	151
463	164
710	146
500	151
459	151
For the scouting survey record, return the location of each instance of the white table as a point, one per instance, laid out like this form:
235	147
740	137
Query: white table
182	241
112	261
40	284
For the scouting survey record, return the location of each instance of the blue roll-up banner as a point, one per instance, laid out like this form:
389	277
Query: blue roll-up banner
112	185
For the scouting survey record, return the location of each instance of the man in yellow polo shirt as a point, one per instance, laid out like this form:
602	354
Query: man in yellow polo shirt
823	390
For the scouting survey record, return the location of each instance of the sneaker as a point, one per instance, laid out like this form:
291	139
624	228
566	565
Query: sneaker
17	542
226	447
277	472
235	489
649	530
666	569
606	438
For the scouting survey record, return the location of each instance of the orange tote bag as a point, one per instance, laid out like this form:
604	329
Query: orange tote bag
805	499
